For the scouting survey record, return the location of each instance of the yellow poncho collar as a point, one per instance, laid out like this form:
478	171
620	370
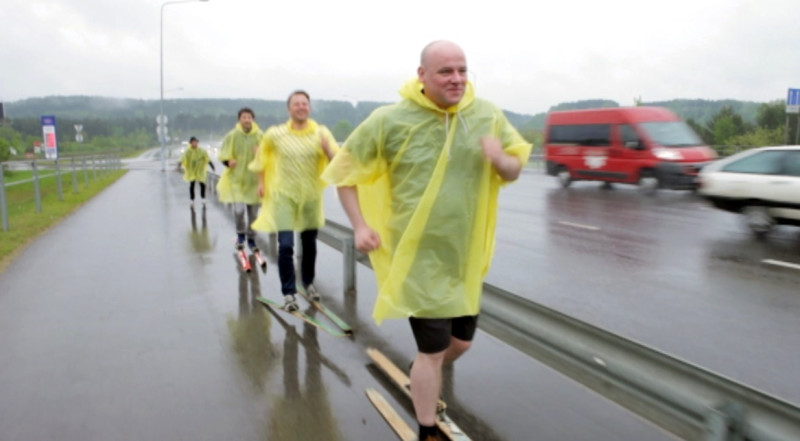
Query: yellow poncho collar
311	127
254	129
412	90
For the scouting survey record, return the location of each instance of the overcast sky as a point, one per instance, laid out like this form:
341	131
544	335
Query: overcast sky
523	55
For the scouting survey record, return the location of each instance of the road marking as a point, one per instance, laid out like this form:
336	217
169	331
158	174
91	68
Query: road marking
780	263
585	227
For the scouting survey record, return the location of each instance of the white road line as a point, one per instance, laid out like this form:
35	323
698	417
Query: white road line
780	263
585	227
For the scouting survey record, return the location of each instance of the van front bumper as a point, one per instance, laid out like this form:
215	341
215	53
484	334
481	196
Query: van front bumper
679	175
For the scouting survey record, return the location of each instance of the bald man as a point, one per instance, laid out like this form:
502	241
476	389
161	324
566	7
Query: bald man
419	181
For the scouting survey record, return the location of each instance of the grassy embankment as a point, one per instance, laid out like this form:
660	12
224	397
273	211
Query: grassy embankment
26	224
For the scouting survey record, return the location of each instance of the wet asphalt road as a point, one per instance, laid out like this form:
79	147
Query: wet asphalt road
130	320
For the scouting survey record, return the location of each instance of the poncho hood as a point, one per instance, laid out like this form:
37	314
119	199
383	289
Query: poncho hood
254	129
310	128
412	90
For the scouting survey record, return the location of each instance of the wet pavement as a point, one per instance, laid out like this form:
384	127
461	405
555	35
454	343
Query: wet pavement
130	320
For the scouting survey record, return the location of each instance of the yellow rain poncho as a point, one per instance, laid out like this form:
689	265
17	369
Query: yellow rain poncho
238	184
195	164
426	188
292	162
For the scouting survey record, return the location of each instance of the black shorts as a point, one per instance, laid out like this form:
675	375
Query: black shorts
433	335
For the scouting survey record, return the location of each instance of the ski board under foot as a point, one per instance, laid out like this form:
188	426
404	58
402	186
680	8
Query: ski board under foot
401	380
303	316
400	427
328	313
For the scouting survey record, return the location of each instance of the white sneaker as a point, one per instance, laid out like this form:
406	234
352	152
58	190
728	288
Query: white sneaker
313	294
290	303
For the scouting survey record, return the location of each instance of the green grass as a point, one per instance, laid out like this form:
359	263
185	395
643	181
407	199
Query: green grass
44	175
19	175
25	224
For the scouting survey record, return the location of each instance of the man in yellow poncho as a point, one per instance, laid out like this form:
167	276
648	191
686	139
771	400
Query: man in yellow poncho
289	163
419	181
194	161
238	185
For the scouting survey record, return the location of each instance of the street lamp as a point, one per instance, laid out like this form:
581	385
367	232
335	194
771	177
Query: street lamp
162	123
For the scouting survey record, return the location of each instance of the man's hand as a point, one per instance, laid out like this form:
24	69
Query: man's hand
507	166
492	149
366	239
231	163
261	189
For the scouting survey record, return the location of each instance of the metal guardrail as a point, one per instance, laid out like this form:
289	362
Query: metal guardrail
690	402
95	163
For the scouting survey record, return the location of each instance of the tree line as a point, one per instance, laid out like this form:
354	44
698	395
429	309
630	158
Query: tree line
130	124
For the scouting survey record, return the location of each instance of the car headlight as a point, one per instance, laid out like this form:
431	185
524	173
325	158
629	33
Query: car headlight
667	154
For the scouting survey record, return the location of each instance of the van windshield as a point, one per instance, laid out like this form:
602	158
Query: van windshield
671	134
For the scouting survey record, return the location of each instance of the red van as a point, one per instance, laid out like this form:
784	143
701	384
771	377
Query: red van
648	146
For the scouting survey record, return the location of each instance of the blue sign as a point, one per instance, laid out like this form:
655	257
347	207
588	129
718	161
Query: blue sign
793	101
49	135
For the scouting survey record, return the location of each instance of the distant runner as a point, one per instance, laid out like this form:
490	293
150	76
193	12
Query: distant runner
194	161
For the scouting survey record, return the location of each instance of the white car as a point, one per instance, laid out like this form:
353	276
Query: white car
762	183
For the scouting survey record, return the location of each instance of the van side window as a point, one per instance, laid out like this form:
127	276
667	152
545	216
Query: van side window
629	137
581	134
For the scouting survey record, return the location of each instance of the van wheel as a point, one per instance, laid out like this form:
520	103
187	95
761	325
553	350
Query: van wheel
648	182
563	176
758	219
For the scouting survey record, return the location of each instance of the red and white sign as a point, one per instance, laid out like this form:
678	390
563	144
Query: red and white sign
49	135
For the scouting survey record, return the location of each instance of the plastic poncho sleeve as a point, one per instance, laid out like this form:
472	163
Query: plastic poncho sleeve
513	143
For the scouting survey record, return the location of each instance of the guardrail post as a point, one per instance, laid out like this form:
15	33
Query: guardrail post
36	187
349	265
3	207
74	176
58	181
85	173
94	168
726	423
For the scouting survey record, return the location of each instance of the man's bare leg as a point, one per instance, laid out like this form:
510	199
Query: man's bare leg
426	379
426	385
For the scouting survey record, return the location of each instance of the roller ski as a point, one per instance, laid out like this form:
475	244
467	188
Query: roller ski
311	294
241	256
446	425
290	307
257	256
398	425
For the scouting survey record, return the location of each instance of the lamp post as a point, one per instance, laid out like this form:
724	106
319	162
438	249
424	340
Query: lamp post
162	123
